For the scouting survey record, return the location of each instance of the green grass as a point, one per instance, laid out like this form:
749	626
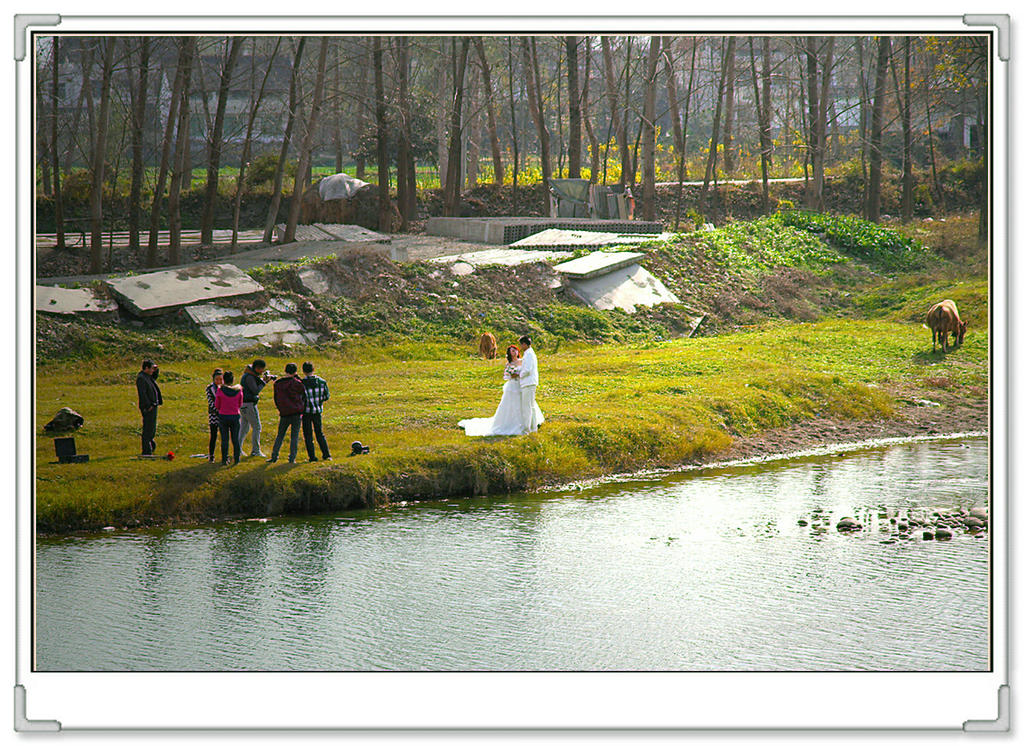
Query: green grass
609	408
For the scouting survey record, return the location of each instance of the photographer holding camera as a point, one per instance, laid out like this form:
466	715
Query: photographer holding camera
254	378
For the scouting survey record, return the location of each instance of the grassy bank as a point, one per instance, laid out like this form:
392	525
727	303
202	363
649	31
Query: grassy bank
611	408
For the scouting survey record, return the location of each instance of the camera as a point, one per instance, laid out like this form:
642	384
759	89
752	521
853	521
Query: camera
359	449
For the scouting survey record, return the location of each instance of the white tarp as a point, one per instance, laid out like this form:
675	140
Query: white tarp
340	186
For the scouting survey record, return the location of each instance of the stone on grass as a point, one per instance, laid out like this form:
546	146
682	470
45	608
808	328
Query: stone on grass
65	420
162	292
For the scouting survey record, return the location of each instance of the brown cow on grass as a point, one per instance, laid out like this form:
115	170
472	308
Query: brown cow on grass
488	346
944	318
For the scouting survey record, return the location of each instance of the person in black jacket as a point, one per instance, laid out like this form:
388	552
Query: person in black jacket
254	378
149	400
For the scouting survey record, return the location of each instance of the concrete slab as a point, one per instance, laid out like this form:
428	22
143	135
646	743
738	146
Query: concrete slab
598	263
235	337
210	313
352	233
302	233
505	257
556	238
73	302
507	230
625	288
161	292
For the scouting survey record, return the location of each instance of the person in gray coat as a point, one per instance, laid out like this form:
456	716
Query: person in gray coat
254	378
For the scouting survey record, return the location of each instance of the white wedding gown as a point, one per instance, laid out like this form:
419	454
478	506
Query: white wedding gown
507	419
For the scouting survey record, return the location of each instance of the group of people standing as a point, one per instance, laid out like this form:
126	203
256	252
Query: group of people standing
233	409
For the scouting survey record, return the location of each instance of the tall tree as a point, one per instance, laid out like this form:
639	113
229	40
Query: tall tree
293	104
184	51
595	146
575	131
512	121
99	159
649	174
730	112
677	125
302	171
181	168
255	102
533	92
453	181
492	119
617	120
406	171
216	143
903	103
763	121
383	177
58	197
137	126
710	166
877	112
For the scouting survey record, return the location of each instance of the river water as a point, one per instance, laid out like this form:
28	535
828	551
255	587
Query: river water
698	570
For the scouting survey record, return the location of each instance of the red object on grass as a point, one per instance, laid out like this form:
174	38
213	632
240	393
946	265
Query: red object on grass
170	456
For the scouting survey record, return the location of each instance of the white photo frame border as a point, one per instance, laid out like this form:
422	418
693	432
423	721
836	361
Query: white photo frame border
547	701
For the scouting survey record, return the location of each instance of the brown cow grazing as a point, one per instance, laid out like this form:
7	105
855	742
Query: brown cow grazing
944	318
488	346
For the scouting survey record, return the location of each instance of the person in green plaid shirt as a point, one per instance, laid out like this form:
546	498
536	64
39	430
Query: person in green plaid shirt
312	419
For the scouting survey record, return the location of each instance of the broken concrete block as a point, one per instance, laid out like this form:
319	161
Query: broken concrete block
505	257
353	233
302	233
168	290
625	288
235	337
462	268
209	313
598	263
73	302
557	238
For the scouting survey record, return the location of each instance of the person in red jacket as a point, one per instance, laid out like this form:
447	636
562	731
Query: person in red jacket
290	398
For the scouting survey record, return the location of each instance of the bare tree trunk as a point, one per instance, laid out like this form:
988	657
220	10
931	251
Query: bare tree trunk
293	103
862	126
361	124
677	125
709	169
98	161
813	116
138	167
686	108
254	106
512	120
936	184
762	128
471	130
649	191
58	197
575	134
821	125
184	50
730	113
595	146
492	120
306	148
443	113
406	185
617	120
383	177
530	70
907	180
180	168
453	180
877	112
217	141
336	111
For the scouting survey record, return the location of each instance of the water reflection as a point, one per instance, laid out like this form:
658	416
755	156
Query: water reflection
705	570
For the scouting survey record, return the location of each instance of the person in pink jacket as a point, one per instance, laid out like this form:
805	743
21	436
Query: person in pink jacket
228	401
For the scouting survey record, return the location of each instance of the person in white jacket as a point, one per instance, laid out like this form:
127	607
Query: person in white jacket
528	379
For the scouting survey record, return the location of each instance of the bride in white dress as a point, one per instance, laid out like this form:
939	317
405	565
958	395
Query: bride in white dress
507	419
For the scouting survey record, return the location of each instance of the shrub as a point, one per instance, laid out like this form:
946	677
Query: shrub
264	166
887	247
